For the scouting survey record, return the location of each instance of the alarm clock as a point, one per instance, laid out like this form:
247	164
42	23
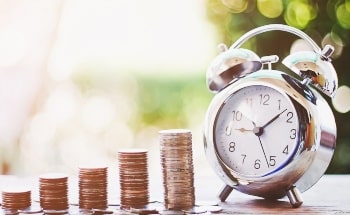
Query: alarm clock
270	133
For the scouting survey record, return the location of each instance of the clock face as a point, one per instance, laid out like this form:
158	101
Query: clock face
256	131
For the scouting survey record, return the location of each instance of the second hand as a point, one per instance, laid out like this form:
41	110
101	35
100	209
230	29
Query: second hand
262	147
258	132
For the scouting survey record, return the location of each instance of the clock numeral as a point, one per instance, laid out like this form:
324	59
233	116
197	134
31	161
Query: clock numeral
264	99
272	161
228	129
237	115
244	156
293	134
232	147
285	150
279	104
257	164
290	116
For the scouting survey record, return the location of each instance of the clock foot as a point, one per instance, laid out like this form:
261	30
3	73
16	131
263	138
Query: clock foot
294	197
225	193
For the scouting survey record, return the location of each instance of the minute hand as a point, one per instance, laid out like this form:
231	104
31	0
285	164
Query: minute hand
273	119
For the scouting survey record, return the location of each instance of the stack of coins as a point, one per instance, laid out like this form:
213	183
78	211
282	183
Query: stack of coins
16	199
93	188
133	176
177	167
53	192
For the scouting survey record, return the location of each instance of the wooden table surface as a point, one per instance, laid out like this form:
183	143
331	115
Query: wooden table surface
331	195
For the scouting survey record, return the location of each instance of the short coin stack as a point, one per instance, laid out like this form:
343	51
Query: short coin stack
177	167
53	192
16	199
133	178
93	188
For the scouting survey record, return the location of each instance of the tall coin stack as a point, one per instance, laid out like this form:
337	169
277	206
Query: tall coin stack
133	178
53	192
93	188
177	167
16	199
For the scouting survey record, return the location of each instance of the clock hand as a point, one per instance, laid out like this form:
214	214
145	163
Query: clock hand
262	147
229	127
243	129
259	130
250	120
273	119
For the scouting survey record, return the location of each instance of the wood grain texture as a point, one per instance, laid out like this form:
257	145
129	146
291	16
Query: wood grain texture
331	195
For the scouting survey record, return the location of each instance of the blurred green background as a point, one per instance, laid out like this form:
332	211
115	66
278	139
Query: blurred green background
81	79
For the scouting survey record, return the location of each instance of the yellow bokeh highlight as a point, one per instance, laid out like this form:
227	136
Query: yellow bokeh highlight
236	6
347	5
270	8
299	14
343	15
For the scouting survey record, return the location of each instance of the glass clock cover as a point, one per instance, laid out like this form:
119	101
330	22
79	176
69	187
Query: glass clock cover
249	130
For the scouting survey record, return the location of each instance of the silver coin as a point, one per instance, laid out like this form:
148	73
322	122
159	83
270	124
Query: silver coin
171	212
195	210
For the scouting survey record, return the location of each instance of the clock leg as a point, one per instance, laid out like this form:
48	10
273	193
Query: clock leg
294	197
225	193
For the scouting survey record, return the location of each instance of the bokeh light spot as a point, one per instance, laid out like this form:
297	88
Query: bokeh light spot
334	40
299	14
341	100
270	8
343	16
300	45
236	6
347	5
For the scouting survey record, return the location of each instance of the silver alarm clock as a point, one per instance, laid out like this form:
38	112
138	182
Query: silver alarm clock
267	133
